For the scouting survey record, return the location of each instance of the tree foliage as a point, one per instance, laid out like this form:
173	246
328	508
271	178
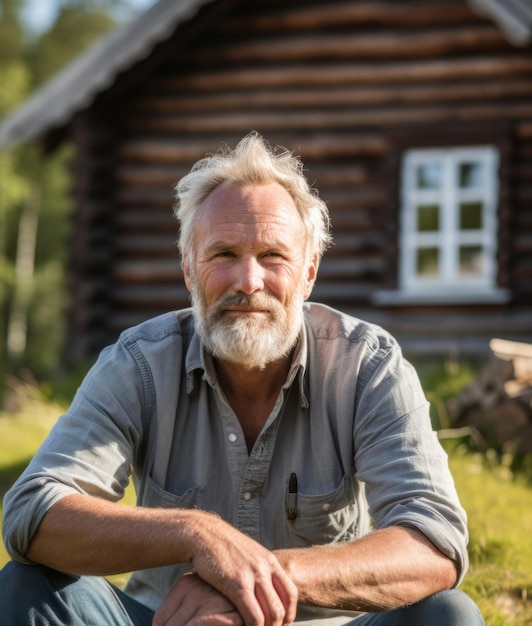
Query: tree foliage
34	188
77	26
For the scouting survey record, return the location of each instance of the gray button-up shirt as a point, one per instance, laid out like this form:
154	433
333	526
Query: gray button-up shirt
351	422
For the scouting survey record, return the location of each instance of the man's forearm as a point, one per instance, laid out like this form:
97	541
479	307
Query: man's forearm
386	569
86	535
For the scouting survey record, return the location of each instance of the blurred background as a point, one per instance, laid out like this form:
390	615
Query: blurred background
37	39
414	121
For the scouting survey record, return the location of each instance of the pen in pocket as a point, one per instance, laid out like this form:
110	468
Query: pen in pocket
291	498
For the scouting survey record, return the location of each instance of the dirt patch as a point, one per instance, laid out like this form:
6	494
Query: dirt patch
516	606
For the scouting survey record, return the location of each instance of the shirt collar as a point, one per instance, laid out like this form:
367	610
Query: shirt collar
197	358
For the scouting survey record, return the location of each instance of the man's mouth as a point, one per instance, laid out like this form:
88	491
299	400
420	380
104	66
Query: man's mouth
244	311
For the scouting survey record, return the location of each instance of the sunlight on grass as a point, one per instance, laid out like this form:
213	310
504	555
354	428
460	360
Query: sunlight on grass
499	509
20	436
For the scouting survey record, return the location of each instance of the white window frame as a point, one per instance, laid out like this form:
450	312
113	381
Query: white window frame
449	284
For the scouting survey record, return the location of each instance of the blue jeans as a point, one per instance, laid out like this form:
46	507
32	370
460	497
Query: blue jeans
32	595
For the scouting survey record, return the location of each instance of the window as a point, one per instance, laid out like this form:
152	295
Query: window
448	222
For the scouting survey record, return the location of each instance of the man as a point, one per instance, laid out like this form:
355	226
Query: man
263	434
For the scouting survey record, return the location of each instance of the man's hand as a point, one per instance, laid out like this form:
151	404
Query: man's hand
192	601
245	572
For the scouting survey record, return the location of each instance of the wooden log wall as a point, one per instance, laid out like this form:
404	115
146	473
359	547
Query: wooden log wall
89	274
520	245
334	81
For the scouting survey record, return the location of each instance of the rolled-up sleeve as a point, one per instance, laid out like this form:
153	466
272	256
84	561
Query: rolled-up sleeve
89	451
400	460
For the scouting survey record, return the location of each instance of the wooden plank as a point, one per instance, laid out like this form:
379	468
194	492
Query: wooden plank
361	219
141	244
325	118
164	297
377	45
149	198
342	14
288	75
132	176
464	320
117	320
322	145
337	174
337	291
520	354
347	242
359	199
523	130
508	350
355	96
523	368
351	268
150	221
157	271
161	151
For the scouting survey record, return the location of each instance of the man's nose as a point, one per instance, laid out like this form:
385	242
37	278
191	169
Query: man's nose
250	277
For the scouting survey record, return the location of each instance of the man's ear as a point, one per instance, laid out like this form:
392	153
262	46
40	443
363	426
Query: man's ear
312	274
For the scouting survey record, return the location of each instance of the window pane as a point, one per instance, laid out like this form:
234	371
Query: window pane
428	217
470	175
471	260
427	262
471	215
428	176
448	220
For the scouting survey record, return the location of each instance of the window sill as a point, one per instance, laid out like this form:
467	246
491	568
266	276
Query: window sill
444	295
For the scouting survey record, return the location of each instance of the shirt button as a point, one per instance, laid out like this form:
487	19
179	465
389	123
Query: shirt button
247	496
232	437
326	507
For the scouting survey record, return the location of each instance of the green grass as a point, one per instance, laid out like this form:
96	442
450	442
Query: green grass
21	433
499	507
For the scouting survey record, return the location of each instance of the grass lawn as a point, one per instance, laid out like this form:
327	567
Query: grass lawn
499	507
20	436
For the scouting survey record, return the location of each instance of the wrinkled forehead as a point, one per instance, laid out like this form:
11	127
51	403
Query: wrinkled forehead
232	204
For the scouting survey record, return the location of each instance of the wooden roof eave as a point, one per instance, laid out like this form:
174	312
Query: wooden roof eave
513	17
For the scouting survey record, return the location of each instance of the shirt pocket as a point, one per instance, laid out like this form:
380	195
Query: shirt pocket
331	517
155	496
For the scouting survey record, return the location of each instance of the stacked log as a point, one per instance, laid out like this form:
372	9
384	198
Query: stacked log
498	403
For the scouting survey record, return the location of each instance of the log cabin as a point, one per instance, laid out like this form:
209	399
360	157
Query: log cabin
413	119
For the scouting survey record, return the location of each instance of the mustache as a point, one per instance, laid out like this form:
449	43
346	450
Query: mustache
259	300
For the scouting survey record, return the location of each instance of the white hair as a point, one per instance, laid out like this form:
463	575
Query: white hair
252	162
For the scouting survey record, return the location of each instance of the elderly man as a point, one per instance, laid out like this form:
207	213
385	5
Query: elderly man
263	434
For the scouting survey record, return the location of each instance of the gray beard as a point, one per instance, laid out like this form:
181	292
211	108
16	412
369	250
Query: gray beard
253	342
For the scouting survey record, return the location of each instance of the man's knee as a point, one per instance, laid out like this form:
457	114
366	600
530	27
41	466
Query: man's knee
446	607
18	580
32	590
34	594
